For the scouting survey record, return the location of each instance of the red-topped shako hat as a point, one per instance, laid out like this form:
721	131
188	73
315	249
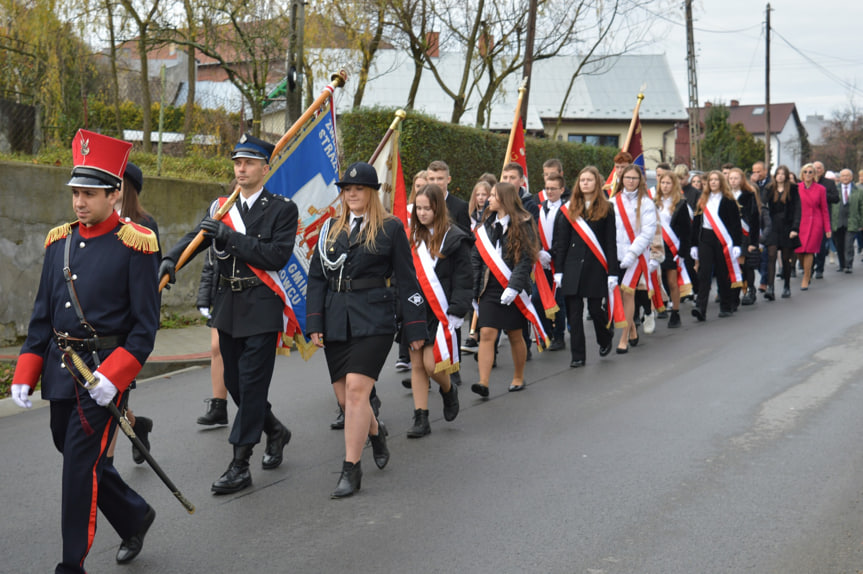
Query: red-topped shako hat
99	160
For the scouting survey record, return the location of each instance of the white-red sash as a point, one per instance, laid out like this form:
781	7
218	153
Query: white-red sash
639	268
684	283
494	261
291	332
546	291
724	237
614	303
446	357
541	196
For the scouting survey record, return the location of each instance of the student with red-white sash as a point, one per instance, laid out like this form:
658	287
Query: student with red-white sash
750	219
716	237
585	261
635	219
505	249
545	297
676	233
441	254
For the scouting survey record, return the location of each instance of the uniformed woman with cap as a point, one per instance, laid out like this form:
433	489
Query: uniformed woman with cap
351	309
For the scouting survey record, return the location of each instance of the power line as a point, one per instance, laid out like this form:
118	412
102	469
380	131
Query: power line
845	84
705	30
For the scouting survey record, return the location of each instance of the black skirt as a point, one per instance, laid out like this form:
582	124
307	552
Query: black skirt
362	355
493	314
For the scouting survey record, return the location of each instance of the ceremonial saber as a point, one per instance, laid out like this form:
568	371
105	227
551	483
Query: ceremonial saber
90	381
400	115
337	81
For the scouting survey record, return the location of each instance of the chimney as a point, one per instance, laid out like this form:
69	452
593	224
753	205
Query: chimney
433	44
708	104
735	103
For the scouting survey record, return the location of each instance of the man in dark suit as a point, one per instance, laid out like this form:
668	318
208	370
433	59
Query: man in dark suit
832	198
438	174
258	237
513	173
840	215
760	179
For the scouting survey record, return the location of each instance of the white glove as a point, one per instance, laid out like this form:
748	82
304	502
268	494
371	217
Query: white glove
205	311
104	391
508	296
628	260
612	281
735	251
693	252
558	279
475	304
652	265
545	259
456	322
21	396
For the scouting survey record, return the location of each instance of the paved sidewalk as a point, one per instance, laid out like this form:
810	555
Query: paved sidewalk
175	349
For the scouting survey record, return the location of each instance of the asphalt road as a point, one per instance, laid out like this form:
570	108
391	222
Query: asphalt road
730	446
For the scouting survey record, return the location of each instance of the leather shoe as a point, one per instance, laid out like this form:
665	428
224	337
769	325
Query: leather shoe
698	314
237	477
576	364
380	452
623	351
557	345
724	314
516	388
603	351
132	546
481	390
350	480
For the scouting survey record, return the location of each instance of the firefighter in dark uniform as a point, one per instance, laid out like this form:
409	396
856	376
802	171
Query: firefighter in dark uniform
246	311
351	309
106	307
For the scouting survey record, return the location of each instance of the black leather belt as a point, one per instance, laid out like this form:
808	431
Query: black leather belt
348	285
240	283
91	344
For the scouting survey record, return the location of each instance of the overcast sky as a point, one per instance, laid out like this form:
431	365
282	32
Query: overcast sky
730	47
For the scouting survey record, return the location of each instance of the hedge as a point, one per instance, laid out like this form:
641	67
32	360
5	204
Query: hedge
468	151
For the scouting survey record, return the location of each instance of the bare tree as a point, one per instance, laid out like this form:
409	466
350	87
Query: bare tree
144	17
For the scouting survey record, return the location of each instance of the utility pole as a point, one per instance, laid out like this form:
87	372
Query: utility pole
694	116
528	56
767	94
294	67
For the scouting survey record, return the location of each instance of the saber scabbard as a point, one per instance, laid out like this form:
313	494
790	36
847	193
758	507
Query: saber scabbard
90	381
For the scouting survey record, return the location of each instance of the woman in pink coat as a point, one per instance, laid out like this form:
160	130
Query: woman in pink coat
812	221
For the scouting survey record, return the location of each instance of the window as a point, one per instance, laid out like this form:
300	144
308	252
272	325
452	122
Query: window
595	139
759	111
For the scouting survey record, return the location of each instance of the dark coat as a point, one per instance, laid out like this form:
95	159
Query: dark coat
583	274
681	225
367	311
529	202
520	278
729	213
454	272
750	213
117	286
209	281
271	228
782	216
458	212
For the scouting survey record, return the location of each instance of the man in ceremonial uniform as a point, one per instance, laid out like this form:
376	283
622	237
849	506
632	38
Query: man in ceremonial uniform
98	294
253	242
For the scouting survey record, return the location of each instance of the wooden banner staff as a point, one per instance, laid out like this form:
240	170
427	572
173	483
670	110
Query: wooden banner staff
337	81
631	131
400	115
516	124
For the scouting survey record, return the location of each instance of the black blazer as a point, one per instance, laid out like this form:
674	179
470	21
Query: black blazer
454	272
520	278
458	212
681	225
271	227
782	216
729	213
583	274
750	213
366	311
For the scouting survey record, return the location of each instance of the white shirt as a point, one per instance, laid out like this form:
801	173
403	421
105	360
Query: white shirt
250	201
713	203
353	218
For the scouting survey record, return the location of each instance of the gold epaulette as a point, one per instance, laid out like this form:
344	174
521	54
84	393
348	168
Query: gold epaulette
59	232
138	237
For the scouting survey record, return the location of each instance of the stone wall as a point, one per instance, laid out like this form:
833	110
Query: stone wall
34	199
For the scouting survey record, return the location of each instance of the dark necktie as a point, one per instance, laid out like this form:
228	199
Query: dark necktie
497	232
355	230
245	209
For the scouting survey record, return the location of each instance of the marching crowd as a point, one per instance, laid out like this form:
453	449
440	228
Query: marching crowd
504	262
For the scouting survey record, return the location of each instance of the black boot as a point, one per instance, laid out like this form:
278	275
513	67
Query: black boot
350	480
339	423
450	403
380	452
749	298
421	424
142	429
786	289
217	412
278	436
237	477
769	294
674	319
